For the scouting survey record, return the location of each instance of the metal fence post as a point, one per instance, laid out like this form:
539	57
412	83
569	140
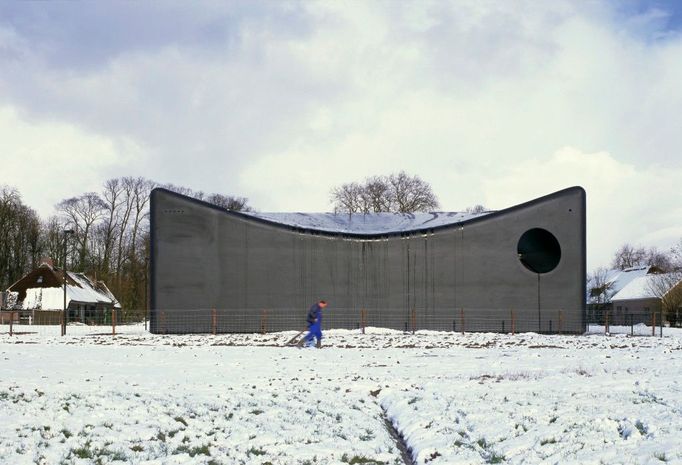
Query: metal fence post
661	325
606	322
11	320
113	322
653	323
513	323
214	321
461	319
561	321
162	319
632	325
414	320
363	321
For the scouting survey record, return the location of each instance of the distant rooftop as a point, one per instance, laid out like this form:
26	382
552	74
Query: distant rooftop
369	223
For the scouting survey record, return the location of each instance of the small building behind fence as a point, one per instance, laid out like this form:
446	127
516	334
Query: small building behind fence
38	297
649	294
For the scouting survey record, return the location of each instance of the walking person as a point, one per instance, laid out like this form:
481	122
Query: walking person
314	321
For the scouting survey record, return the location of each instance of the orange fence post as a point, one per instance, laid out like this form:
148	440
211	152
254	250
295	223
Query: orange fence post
113	322
653	323
214	321
11	320
163	322
606	322
513	323
461	320
363	320
414	320
561	321
263	321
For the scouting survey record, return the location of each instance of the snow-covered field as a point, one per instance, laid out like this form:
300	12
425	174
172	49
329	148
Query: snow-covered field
473	398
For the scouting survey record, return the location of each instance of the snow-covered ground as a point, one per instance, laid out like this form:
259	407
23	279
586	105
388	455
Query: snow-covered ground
473	398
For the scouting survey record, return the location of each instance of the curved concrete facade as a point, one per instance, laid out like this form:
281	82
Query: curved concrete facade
217	270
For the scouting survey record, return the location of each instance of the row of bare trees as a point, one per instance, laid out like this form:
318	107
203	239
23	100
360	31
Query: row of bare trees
110	239
400	193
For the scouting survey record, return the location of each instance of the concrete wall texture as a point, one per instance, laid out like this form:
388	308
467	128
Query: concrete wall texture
216	270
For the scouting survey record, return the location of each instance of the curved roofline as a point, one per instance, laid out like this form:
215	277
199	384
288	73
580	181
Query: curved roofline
376	236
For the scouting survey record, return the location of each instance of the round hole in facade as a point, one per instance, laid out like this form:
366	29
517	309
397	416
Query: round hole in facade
539	250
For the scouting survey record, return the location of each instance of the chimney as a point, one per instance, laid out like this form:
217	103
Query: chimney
47	261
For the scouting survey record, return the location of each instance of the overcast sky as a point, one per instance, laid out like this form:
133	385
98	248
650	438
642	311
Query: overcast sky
490	102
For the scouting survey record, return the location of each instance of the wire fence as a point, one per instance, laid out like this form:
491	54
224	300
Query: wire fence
222	321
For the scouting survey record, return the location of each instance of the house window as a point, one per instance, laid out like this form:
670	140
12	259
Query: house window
619	308
39	280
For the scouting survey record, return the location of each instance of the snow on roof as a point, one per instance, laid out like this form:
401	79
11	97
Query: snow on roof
368	223
617	280
643	287
638	288
85	291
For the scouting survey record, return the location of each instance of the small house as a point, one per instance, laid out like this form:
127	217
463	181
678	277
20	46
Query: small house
40	297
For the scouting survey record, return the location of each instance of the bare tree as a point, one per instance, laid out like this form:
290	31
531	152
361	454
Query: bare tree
628	256
347	198
476	209
394	193
411	194
668	288
599	286
661	260
81	213
376	195
229	202
52	239
676	256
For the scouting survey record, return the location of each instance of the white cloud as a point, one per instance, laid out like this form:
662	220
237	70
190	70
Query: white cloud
471	96
50	161
624	204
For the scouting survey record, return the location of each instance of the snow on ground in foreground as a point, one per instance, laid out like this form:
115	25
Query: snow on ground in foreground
470	399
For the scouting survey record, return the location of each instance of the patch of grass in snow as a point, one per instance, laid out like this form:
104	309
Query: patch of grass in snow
360	459
180	420
368	436
192	451
83	452
661	456
641	427
137	448
257	411
548	441
254	451
494	458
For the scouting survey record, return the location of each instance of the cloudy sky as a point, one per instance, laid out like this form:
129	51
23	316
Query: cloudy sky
492	102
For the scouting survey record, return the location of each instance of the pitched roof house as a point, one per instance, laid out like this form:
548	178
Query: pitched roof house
43	289
651	293
601	293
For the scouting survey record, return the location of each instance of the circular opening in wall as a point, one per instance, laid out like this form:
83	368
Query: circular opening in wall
539	250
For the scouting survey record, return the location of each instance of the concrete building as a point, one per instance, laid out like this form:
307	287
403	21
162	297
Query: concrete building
223	271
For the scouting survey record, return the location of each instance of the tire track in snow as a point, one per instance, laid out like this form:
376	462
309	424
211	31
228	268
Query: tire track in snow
396	435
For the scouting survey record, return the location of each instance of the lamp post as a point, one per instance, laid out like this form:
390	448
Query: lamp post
66	235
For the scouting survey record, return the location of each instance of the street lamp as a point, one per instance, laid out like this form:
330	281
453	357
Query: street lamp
66	235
